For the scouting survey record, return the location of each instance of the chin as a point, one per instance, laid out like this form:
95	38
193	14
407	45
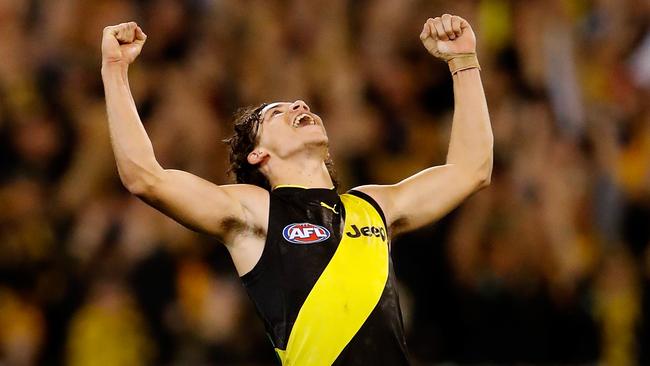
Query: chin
317	145
319	140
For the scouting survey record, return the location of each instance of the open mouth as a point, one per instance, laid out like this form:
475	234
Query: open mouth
303	120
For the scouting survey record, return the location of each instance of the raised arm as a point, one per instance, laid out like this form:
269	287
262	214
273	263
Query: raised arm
223	211
432	193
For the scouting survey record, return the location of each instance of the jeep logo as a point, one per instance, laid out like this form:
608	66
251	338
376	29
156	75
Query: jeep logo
367	231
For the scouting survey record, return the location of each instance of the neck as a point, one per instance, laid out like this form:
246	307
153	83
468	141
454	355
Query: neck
308	173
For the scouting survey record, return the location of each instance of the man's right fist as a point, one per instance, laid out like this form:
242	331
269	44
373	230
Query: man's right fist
122	43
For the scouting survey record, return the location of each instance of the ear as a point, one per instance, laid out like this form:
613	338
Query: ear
257	156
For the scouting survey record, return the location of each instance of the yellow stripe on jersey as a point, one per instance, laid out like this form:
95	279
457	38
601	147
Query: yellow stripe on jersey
289	186
293	186
345	293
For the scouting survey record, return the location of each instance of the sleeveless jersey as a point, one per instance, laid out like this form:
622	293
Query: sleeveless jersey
324	285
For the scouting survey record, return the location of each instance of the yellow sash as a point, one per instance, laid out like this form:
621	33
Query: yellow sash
344	295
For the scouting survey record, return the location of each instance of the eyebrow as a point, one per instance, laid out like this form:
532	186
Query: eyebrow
264	112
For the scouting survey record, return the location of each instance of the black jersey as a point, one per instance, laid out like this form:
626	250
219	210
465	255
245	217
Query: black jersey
324	285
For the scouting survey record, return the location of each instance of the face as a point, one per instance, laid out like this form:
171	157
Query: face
288	128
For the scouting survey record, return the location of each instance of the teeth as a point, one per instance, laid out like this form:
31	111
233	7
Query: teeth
296	121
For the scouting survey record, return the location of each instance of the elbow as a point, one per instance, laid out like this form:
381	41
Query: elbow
483	174
138	187
480	181
140	182
484	182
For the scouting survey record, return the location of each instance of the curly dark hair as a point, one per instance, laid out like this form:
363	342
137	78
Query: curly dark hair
244	139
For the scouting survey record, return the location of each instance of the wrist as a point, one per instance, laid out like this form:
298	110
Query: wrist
112	67
463	62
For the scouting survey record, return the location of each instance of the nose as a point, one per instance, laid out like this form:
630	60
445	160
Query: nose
299	104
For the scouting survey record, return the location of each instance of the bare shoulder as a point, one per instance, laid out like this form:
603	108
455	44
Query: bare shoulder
224	211
245	191
422	198
254	202
253	198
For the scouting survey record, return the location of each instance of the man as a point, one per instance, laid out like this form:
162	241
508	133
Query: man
315	263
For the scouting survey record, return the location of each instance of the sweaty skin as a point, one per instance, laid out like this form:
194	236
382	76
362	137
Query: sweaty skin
294	153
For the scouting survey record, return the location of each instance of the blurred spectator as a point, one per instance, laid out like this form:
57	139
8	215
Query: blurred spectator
22	327
108	330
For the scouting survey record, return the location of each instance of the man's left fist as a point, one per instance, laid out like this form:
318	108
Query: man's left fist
448	37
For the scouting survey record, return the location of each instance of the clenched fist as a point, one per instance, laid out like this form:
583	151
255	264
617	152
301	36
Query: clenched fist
451	39
122	43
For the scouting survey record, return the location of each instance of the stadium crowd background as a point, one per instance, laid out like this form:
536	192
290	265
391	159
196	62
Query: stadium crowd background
550	264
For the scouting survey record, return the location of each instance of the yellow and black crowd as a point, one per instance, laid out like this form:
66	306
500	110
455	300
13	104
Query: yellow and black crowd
548	265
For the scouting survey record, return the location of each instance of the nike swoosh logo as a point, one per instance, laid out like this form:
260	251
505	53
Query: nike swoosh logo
333	209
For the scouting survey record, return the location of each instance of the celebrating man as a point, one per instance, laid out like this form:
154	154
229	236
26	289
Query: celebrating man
315	263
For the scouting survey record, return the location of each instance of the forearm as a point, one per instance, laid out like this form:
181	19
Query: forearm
470	146
133	151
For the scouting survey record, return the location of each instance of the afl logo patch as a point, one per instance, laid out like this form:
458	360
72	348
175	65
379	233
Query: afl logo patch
305	233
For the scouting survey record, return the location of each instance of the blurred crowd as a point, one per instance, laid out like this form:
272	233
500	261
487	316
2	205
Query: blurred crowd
550	264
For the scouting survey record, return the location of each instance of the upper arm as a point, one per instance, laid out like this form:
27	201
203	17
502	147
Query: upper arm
424	197
223	211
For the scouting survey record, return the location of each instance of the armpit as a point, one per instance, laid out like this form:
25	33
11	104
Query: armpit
398	226
232	226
